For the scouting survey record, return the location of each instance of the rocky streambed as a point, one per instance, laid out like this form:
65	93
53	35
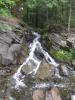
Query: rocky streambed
49	83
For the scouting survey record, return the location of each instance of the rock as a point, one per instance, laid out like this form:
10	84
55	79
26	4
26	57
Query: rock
54	94
44	70
9	55
6	38
71	39
39	54
58	40
38	94
15	48
3	48
10	42
73	63
63	70
7	58
28	37
7	49
48	96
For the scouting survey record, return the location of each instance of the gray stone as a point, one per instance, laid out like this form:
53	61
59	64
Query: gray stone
54	94
45	70
38	94
7	58
6	38
71	39
15	48
63	70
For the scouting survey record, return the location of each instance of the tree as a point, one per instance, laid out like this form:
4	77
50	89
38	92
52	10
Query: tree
5	6
51	8
70	14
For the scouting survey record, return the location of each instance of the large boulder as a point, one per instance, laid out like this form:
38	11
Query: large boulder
10	42
58	41
71	39
44	71
54	94
38	94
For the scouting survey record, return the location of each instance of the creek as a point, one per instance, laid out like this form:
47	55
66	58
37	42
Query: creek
22	84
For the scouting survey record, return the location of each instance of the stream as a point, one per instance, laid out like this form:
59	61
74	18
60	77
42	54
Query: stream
22	84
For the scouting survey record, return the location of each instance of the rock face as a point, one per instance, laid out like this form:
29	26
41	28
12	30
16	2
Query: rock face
44	71
38	94
10	43
62	40
55	94
39	54
8	50
63	70
71	39
58	41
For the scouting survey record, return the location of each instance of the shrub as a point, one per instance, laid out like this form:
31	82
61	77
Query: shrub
64	55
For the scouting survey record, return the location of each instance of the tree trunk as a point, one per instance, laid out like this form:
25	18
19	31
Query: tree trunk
27	15
47	16
69	20
36	23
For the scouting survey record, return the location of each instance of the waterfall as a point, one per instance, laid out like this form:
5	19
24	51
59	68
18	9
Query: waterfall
32	57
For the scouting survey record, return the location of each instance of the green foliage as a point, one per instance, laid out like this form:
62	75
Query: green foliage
43	3
5	12
4	26
65	55
5	6
72	51
40	13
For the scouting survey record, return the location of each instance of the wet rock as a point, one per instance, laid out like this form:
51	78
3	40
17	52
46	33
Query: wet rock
44	70
38	94
63	70
39	54
29	67
54	94
28	37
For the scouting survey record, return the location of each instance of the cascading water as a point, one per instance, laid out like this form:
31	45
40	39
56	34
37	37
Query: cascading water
33	59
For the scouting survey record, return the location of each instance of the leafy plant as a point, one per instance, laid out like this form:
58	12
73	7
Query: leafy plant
5	6
63	55
5	12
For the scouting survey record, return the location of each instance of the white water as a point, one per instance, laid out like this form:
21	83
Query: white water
72	97
47	85
34	45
